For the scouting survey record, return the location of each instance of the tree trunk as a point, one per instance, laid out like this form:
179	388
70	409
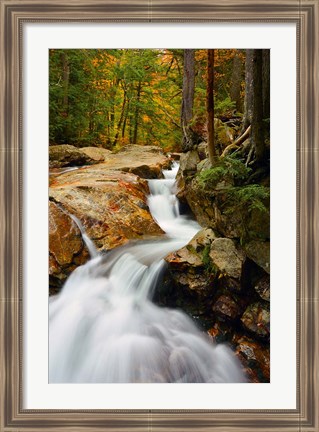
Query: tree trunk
266	90
236	82
188	98
257	125
248	104
120	120
138	97
65	101
210	105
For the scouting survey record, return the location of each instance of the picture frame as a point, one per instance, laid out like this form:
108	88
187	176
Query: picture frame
14	14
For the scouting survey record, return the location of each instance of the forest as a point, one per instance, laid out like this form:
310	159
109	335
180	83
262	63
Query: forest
159	187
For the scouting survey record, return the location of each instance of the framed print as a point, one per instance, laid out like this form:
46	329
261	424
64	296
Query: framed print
100	81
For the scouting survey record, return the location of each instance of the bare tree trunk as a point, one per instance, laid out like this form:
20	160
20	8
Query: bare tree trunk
236	82
120	120
248	104
65	102
266	91
188	98
257	126
137	108
210	105
266	82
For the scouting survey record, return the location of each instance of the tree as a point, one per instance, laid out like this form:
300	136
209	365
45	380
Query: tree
210	105
248	104
188	98
257	126
257	101
235	88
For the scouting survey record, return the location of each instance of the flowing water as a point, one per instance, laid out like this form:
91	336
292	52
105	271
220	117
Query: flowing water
104	328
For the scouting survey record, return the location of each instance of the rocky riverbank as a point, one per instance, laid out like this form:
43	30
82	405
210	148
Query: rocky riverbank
108	198
221	278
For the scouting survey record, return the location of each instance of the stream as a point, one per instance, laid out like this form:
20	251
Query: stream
104	328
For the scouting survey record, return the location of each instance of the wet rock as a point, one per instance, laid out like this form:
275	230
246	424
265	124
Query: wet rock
221	332
68	155
188	282
227	307
66	247
263	288
256	319
259	252
111	205
187	269
255	358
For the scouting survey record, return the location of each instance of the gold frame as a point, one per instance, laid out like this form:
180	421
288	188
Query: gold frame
14	13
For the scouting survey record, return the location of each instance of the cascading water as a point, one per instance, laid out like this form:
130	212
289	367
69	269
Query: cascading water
103	327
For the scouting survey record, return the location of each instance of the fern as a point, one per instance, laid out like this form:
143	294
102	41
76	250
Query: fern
227	168
251	197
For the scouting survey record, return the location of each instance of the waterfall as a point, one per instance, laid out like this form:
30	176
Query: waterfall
104	328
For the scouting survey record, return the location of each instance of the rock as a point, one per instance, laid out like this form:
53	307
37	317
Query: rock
144	161
202	150
203	165
263	288
175	156
66	248
226	307
97	153
188	162
67	155
224	135
212	208
189	282
227	257
111	205
256	319
259	252
256	359
201	240
187	269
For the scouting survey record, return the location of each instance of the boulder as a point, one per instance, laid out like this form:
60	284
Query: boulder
111	205
144	161
259	252
263	288
227	257
227	308
66	247
188	162
67	155
255	357
212	208
256	319
202	267
97	153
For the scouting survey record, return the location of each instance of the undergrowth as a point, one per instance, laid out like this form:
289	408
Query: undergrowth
227	168
241	197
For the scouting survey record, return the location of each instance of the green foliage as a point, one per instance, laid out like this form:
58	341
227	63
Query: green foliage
250	197
205	257
228	168
224	106
210	267
109	97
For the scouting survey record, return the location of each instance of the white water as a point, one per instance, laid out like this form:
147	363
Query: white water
103	327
